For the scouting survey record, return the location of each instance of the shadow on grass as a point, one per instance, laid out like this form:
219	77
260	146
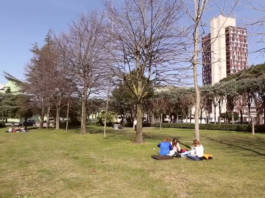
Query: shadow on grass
161	137
255	146
120	134
128	134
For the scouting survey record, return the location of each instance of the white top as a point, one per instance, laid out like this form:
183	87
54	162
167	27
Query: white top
177	147
197	150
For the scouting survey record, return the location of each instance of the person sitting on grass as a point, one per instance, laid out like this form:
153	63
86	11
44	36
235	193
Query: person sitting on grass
176	148
196	152
165	147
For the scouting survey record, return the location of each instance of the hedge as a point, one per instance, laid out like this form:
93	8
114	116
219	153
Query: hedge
226	127
2	124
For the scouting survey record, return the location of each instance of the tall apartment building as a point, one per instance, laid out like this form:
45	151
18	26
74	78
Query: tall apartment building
225	50
236	49
206	57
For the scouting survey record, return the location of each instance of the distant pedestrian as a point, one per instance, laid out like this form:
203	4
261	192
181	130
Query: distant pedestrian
135	124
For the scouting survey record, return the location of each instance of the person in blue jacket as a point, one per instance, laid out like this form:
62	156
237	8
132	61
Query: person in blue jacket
165	147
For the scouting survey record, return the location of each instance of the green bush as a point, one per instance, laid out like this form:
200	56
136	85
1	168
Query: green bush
226	127
2	124
111	117
260	128
228	116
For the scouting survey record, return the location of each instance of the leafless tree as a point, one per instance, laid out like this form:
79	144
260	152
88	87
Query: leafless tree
84	50
146	39
256	23
199	7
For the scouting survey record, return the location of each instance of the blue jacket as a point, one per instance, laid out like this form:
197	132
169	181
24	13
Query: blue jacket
165	147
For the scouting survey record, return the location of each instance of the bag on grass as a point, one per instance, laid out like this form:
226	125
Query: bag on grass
161	157
208	156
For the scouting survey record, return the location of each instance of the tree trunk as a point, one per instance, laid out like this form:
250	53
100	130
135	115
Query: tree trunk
264	110
180	119
215	119
241	116
26	125
48	116
253	125
152	118
190	116
161	118
106	114
233	117
219	106
84	112
67	115
139	134
58	109
249	105
264	115
42	117
195	63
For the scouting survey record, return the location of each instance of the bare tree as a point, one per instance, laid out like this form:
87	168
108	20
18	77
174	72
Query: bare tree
199	7
146	39
84	50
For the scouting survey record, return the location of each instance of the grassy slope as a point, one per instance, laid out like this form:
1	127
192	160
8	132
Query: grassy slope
45	163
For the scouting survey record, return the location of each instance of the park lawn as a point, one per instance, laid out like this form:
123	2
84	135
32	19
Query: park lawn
49	163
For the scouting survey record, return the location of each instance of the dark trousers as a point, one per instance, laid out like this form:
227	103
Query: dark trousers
193	157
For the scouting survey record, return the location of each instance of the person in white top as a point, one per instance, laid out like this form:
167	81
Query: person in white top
197	151
135	124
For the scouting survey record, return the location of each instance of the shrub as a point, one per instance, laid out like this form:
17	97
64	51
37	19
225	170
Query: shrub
226	127
111	117
2	124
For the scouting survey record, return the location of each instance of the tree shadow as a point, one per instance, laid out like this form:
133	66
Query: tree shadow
161	137
255	146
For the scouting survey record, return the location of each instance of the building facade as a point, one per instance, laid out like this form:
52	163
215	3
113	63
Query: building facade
224	52
236	49
206	63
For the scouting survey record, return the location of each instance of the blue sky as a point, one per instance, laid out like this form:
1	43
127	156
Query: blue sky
25	22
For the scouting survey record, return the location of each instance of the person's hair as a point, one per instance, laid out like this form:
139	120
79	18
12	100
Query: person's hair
175	141
167	140
196	142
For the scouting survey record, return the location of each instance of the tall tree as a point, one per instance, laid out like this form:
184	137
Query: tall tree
146	38
43	79
199	7
84	49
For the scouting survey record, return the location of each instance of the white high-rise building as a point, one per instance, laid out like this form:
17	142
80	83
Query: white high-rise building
225	51
218	46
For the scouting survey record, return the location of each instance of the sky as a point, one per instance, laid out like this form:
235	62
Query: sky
25	22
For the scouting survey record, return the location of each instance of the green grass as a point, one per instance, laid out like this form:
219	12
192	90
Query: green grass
48	163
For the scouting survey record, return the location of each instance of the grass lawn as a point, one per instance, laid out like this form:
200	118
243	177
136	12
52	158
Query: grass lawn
48	163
